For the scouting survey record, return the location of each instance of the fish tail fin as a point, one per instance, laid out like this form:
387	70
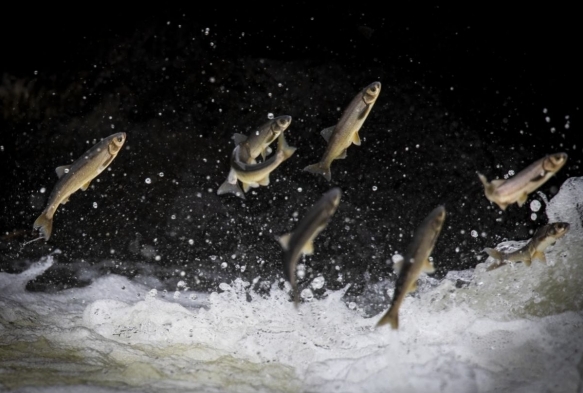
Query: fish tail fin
494	253
283	146
488	186
44	225
321	169
228	187
391	317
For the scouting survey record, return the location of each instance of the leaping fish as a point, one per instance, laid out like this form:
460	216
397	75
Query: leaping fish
517	188
259	140
534	249
253	175
416	261
78	176
301	240
345	133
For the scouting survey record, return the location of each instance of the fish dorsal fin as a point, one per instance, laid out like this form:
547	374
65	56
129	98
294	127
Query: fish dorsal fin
428	266
308	248
85	186
522	199
327	133
497	182
398	266
238	138
356	139
284	240
264	181
62	170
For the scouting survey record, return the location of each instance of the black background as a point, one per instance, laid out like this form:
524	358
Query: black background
473	85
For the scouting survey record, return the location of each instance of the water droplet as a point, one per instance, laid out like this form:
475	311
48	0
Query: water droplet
535	205
374	188
148	180
161	174
95	205
474	233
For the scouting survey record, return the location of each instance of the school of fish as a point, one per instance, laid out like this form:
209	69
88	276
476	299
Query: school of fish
244	168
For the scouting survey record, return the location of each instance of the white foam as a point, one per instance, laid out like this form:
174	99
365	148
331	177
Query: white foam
516	328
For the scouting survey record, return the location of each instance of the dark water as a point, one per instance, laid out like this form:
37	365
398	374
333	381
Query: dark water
457	96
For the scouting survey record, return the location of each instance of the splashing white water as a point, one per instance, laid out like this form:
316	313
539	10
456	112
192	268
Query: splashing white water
516	328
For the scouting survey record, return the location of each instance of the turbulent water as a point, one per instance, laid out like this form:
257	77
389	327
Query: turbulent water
516	328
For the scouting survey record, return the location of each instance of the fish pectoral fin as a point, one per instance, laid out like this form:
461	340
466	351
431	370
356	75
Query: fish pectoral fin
62	170
412	286
238	138
428	267
246	186
356	139
85	186
327	133
540	255
342	155
522	199
308	248
264	181
502	206
284	241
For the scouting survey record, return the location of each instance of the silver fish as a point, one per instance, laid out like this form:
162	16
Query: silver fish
517	188
534	249
345	133
259	140
416	260
253	175
301	240
78	176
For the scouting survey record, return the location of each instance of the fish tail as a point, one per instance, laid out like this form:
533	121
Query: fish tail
320	169
488	186
494	253
44	225
282	146
391	317
227	187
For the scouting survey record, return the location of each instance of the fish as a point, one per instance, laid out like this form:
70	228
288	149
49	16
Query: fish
78	175
253	175
301	240
345	133
534	249
257	144
415	261
516	189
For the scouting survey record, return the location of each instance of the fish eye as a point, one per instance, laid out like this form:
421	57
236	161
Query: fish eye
119	139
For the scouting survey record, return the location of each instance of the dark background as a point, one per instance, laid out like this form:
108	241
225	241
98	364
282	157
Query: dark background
471	87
